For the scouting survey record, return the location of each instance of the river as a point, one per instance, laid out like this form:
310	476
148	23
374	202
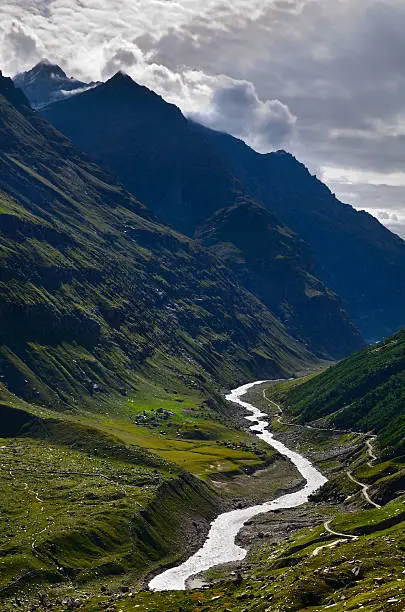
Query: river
220	546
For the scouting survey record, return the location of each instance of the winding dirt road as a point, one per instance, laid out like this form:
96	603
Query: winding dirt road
368	442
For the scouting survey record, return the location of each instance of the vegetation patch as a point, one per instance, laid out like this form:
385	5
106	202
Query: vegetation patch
365	392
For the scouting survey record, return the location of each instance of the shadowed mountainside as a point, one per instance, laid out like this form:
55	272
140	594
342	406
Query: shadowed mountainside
355	255
277	266
93	289
160	157
140	137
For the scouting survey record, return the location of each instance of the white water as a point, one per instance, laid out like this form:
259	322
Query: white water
220	546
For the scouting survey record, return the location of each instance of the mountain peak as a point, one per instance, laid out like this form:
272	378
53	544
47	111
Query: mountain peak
129	91
46	82
120	76
123	80
47	67
44	69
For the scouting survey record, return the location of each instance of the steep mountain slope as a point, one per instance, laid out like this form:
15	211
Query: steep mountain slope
151	147
138	136
93	290
46	83
356	256
158	155
365	392
274	264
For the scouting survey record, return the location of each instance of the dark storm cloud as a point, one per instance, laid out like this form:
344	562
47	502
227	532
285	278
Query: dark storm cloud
236	108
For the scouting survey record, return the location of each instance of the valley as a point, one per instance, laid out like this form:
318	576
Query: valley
148	266
343	553
342	548
220	546
85	504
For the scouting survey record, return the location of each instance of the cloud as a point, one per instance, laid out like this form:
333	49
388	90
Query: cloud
123	59
381	195
22	45
237	109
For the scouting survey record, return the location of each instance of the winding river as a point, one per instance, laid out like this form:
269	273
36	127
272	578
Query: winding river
220	546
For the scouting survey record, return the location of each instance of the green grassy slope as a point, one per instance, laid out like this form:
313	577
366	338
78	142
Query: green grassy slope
84	501
310	569
89	487
94	293
365	391
361	566
364	574
78	505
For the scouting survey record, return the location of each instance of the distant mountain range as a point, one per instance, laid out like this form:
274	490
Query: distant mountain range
355	255
274	271
47	82
153	139
187	173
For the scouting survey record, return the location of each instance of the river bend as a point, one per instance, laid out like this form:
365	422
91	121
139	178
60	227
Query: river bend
220	546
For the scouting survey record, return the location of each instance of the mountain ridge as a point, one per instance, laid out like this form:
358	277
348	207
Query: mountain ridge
274	264
363	392
95	291
353	250
138	136
202	171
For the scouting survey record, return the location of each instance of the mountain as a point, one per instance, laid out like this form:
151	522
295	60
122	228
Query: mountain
46	83
138	136
365	392
114	331
12	94
94	290
277	266
355	255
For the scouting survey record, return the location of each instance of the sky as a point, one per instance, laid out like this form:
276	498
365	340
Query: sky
324	79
